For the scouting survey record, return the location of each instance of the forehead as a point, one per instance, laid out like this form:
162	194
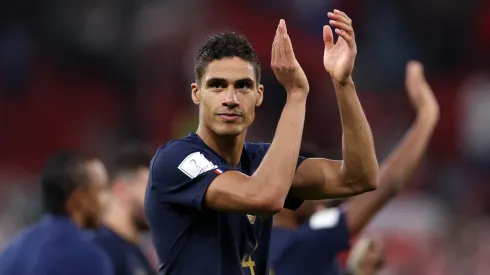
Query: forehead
230	69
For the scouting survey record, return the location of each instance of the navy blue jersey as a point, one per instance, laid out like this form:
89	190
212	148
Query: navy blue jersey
190	239
55	246
126	258
313	248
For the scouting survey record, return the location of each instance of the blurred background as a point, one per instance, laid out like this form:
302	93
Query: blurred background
100	74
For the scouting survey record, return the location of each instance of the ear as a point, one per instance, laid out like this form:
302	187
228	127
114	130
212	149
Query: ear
195	93
260	95
75	200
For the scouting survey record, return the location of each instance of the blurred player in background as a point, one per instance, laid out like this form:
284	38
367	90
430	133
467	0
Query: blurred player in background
71	186
124	219
305	244
365	258
211	195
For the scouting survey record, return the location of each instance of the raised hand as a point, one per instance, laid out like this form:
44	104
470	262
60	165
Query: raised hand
284	64
339	57
419	91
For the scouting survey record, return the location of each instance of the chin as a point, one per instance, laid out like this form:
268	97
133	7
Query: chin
230	130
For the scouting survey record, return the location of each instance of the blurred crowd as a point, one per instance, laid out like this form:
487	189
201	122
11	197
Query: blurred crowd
101	74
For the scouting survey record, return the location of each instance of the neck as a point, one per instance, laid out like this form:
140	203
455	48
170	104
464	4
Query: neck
118	220
228	147
286	219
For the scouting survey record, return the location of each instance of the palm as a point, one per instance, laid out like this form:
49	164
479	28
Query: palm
339	60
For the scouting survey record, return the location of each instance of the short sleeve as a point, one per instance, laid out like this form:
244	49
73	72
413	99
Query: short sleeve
327	230
181	173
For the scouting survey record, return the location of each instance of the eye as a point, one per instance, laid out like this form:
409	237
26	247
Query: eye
216	85
243	85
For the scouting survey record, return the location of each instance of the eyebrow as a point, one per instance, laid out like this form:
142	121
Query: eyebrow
222	80
216	79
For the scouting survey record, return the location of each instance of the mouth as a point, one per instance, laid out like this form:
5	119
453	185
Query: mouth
229	116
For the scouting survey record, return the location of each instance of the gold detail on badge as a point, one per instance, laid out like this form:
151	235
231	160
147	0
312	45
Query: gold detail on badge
251	218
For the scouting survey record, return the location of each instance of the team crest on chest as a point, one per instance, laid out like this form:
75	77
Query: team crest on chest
251	218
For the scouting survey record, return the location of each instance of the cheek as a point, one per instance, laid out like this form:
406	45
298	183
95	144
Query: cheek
249	103
206	108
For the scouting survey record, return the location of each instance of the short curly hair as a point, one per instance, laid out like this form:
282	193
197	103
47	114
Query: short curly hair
225	45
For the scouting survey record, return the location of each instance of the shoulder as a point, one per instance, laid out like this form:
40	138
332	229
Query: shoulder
182	158
85	259
327	218
92	252
256	151
257	148
327	228
102	240
179	150
111	247
25	239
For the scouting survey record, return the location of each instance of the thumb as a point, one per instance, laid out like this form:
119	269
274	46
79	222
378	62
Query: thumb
327	37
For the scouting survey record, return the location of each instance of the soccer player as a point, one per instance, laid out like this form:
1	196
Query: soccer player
71	186
124	217
366	257
211	195
311	248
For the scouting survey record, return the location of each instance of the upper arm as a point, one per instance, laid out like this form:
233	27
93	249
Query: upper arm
231	192
187	176
320	178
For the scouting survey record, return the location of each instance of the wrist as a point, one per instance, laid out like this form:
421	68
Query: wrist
343	83
296	95
347	81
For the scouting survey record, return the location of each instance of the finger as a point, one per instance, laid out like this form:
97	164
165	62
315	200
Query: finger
288	45
340	17
275	47
327	37
349	39
343	26
342	14
282	39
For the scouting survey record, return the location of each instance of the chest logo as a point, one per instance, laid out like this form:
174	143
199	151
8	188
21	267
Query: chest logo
251	218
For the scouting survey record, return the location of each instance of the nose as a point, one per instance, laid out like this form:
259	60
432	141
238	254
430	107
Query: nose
230	99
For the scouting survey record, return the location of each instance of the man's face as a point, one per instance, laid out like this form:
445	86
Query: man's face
227	96
136	198
93	199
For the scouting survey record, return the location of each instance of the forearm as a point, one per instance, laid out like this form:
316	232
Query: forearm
395	172
273	178
399	166
360	167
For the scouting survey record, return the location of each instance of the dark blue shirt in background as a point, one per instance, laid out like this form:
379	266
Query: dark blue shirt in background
313	248
126	258
54	246
190	239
